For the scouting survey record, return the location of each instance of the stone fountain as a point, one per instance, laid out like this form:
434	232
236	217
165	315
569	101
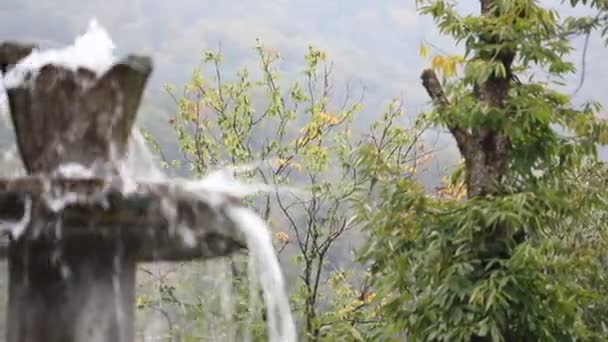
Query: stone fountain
78	226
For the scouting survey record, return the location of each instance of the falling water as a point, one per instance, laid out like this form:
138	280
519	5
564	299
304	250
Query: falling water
214	188
280	322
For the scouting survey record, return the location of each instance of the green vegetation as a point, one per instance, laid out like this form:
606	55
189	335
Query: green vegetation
511	249
304	136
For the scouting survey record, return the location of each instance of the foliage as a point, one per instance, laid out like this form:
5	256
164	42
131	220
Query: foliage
510	249
510	262
300	136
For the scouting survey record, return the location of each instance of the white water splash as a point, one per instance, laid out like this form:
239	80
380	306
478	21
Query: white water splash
215	188
56	199
139	162
74	170
220	183
278	313
93	51
3	105
12	166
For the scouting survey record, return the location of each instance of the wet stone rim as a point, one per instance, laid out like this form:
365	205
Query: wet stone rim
137	218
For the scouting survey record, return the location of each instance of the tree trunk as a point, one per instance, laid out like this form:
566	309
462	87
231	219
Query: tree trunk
485	150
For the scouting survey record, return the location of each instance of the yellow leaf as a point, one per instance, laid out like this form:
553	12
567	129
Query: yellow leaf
299	141
310	131
424	51
449	69
370	298
282	237
446	64
279	162
328	118
437	62
458	59
424	159
141	302
297	166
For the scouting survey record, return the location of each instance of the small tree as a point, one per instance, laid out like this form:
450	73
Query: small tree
298	136
499	264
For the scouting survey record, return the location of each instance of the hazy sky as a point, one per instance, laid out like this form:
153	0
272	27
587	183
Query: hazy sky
375	42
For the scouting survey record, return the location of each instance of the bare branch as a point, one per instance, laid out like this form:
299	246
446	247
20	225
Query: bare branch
435	90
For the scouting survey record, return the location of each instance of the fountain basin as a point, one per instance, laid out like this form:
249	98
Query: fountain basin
138	219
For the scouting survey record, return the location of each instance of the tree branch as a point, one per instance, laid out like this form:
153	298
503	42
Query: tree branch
435	90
